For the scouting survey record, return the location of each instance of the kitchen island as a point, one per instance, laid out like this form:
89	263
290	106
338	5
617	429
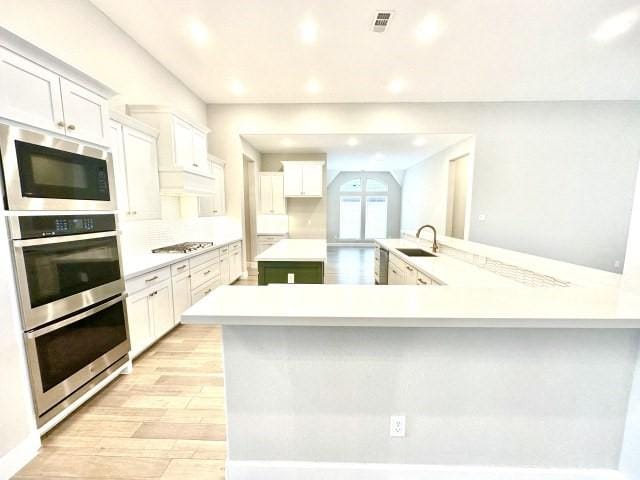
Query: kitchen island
527	382
293	261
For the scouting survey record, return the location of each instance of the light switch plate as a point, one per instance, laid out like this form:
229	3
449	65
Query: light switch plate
291	278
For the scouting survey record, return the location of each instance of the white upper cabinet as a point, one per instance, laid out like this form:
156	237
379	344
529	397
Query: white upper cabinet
29	93
199	159
135	157
86	114
271	193
183	145
303	179
37	96
214	205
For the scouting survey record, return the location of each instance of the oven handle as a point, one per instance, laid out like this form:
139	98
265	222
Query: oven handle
66	238
43	331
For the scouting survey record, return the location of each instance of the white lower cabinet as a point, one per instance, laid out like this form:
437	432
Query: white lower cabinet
149	311
235	261
401	273
181	295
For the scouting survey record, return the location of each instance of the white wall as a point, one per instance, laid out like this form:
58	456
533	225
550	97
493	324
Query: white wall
498	397
425	188
78	33
554	179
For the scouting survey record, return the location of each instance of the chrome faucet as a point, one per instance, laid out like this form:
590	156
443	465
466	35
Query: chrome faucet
435	236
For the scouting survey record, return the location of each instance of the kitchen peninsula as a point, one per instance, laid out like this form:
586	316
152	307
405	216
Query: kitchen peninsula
293	261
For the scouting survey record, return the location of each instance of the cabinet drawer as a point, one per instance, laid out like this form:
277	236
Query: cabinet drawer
179	268
147	280
204	290
224	251
236	246
208	257
205	273
397	262
270	238
423	279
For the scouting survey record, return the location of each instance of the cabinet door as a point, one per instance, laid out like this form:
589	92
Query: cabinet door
219	204
200	161
162	316
410	275
116	142
85	113
292	180
312	182
141	161
266	194
29	93
225	270
396	275
181	295
183	145
235	265
139	320
277	190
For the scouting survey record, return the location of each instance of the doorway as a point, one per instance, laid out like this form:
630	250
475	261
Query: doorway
457	197
249	167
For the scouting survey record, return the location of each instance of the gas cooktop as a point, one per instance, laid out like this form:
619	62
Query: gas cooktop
185	247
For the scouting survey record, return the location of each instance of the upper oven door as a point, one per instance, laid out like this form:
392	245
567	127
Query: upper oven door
60	275
43	172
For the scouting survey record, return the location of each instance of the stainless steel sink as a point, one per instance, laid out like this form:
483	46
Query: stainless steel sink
416	252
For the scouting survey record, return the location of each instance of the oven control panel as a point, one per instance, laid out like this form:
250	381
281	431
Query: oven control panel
40	226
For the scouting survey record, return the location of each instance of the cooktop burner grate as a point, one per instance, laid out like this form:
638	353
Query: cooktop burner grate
184	247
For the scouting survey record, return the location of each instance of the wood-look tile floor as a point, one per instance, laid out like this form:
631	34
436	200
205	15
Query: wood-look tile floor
166	419
163	421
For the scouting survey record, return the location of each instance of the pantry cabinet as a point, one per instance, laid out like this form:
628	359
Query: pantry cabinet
272	200
37	96
135	157
303	179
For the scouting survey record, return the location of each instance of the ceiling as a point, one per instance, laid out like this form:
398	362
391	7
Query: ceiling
371	152
440	50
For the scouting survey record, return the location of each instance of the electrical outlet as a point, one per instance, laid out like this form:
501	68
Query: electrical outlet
616	264
482	217
291	278
397	426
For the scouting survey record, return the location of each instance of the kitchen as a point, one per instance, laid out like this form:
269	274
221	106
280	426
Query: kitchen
143	185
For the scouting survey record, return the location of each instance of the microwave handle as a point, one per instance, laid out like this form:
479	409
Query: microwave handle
43	331
65	238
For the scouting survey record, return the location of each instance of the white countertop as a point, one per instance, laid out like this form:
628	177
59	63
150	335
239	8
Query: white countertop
417	306
447	270
295	250
134	264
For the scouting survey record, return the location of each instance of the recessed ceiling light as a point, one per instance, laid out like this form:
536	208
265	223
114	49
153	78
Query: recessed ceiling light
238	88
308	31
313	86
428	29
617	25
352	141
287	142
419	142
199	33
396	86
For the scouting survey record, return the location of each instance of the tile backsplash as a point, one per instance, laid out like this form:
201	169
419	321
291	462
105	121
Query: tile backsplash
145	235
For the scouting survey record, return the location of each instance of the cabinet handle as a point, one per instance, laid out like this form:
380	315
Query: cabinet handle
155	277
194	164
394	271
154	293
208	292
181	267
60	124
207	272
71	127
409	268
422	281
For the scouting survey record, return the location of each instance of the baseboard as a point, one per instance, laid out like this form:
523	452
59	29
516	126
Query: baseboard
22	454
264	470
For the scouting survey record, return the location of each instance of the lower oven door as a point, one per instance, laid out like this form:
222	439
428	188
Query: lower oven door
67	354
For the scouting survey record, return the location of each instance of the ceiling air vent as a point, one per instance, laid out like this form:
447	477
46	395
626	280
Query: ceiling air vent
382	20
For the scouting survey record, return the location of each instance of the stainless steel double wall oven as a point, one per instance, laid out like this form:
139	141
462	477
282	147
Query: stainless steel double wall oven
67	263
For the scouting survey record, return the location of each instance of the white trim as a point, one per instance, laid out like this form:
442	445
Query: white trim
22	454
266	470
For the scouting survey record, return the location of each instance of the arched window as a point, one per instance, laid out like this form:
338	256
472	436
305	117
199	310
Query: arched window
353	185
375	185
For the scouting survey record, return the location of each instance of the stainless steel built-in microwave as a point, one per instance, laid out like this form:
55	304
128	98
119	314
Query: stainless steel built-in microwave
44	172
